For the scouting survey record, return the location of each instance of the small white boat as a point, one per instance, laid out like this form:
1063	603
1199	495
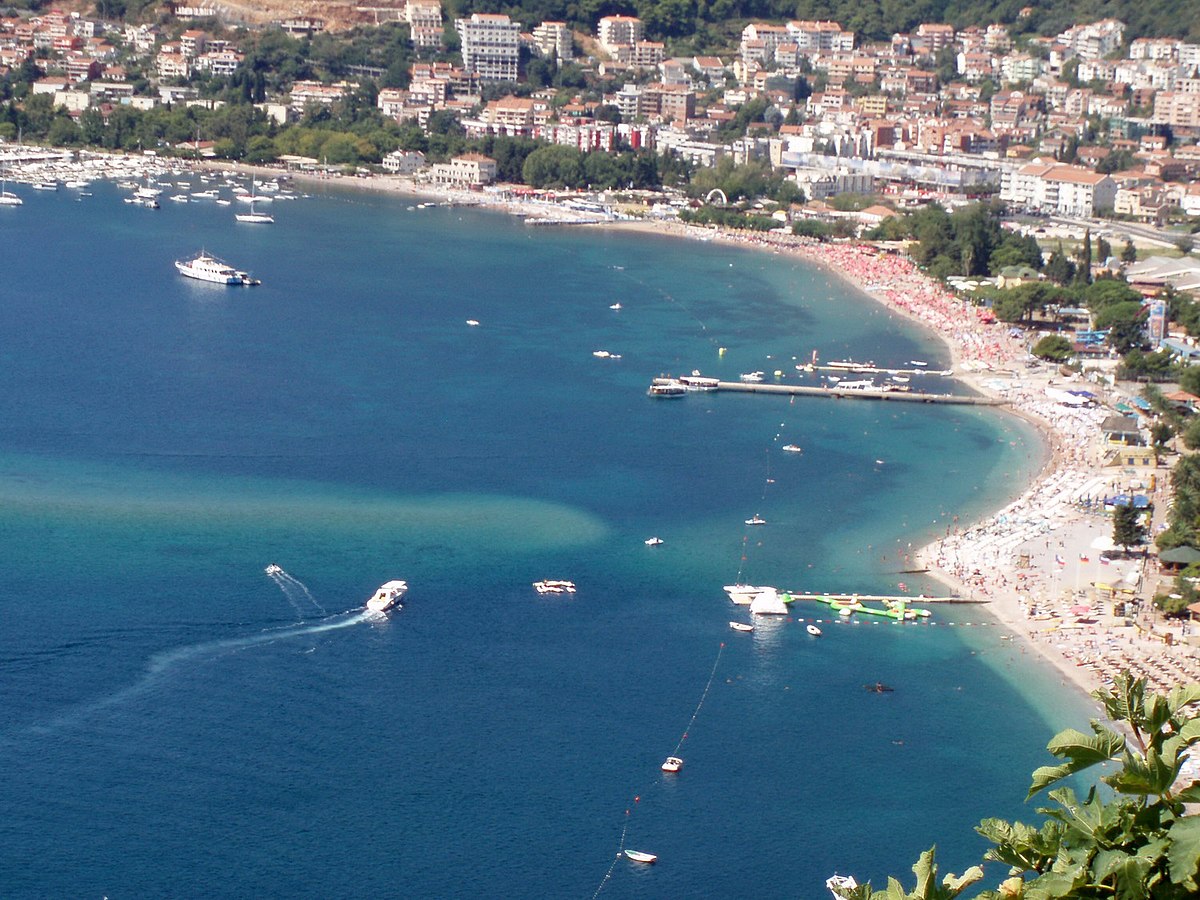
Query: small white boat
919	363
639	856
672	764
793	448
756	520
45	185
473	322
741	626
255	218
601	354
752	377
813	630
834	882
387	596
222	201
551	586
654	542
615	306
273	569
179	198
8	198
879	462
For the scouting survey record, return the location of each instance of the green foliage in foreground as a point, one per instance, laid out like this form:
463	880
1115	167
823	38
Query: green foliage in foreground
1140	844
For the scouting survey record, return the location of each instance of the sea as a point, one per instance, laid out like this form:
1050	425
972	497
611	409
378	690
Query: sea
176	722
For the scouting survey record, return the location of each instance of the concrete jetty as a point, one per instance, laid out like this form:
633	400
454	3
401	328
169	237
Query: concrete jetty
836	393
908	599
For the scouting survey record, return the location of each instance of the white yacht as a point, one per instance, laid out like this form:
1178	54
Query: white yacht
208	268
551	586
744	594
768	603
756	520
387	596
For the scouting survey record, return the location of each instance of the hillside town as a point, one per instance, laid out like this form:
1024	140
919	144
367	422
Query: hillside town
1081	123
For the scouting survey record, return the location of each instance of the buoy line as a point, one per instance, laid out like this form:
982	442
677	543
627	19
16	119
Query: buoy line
638	797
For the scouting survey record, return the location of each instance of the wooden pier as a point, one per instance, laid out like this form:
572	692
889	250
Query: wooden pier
833	392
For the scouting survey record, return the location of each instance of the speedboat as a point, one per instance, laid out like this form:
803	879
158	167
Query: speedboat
208	268
741	626
813	630
551	586
793	448
473	322
273	569
601	354
752	377
387	596
672	764
654	541
919	363
45	185
179	198
615	306
756	520
639	856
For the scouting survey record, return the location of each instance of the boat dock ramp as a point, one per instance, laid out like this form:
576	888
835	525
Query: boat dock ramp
836	393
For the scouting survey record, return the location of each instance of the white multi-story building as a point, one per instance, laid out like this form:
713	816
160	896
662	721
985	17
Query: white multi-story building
1177	108
1057	188
1096	40
553	40
424	19
812	38
619	31
490	46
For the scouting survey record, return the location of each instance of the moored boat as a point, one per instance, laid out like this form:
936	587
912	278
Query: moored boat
666	387
672	764
203	267
654	542
741	626
387	596
698	382
813	630
793	448
552	586
639	856
756	520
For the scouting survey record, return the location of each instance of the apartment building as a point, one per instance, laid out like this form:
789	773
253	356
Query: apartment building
490	46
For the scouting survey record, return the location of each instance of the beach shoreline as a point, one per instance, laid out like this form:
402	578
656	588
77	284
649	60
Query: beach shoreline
1019	557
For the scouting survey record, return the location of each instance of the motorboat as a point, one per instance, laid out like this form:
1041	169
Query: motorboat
473	322
836	883
203	267
8	198
45	185
741	626
601	354
672	764
813	630
143	200
793	448
698	382
615	306
666	387
179	198
551	586
654	542
756	520
919	363
639	856
866	384
205	195
273	569
387	596
751	377
744	594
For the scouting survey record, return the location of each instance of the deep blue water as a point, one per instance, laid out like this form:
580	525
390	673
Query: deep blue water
175	723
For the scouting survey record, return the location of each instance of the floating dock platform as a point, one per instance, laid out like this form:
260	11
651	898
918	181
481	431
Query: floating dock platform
907	599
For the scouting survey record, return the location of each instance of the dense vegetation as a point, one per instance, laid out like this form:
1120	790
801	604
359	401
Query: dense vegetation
1132	840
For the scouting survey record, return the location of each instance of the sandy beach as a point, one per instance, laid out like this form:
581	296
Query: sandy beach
1043	563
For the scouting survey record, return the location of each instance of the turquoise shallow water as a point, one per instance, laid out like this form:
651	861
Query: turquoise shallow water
173	721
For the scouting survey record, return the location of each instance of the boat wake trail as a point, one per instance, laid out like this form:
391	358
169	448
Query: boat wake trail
162	665
298	595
